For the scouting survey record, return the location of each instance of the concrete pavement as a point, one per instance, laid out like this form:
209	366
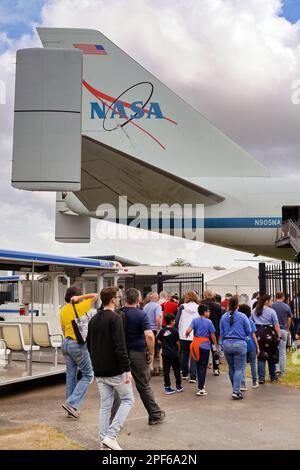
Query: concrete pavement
267	418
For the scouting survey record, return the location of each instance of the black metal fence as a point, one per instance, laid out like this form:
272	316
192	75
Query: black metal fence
283	277
174	283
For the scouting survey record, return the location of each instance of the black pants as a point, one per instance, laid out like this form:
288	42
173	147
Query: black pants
173	362
141	374
202	367
215	366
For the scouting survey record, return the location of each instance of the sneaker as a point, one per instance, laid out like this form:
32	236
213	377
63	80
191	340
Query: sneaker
179	388
169	390
153	421
201	393
261	382
184	377
274	380
216	372
193	381
237	396
243	387
111	443
255	384
71	411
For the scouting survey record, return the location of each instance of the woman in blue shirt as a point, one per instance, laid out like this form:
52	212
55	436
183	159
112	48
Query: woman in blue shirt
268	336
235	328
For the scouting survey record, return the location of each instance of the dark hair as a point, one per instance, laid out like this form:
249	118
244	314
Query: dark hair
261	303
121	287
71	291
169	318
244	308
255	295
233	305
280	295
202	309
132	296
107	294
218	298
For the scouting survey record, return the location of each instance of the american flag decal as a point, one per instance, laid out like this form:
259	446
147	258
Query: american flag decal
95	49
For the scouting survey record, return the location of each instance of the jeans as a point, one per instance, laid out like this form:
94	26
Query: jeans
202	367
262	370
173	362
185	360
107	387
282	351
235	353
252	359
76	357
141	373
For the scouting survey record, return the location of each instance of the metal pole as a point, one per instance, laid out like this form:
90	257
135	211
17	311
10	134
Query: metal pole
284	278
262	278
31	323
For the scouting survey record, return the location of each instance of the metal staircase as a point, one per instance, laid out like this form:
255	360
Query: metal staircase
288	235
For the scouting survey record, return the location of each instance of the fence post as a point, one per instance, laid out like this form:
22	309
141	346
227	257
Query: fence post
159	281
284	279
262	278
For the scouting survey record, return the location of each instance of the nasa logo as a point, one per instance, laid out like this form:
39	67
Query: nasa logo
101	111
130	106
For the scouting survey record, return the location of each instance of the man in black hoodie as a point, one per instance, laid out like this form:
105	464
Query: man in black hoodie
107	347
215	316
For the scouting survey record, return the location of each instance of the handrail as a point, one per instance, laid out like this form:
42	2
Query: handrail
291	231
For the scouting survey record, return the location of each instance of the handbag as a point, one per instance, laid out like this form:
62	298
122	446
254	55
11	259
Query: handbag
80	325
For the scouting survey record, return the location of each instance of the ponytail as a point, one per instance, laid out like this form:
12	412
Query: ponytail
261	303
233	305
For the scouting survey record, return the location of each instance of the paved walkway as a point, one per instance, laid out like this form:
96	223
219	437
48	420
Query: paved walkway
268	418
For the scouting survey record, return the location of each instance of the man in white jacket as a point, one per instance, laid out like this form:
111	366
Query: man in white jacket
186	314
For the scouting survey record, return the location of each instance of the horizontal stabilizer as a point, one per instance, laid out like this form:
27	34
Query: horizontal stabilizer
108	174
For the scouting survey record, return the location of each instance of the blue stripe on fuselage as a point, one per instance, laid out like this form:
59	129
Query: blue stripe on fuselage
216	222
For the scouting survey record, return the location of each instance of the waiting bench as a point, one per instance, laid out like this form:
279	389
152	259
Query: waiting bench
43	337
13	336
5	354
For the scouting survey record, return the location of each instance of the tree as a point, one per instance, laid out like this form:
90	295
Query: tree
180	262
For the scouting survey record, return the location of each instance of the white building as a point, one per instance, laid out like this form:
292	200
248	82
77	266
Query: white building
220	280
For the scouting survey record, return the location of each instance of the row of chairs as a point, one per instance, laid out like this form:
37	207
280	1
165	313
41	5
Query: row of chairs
16	337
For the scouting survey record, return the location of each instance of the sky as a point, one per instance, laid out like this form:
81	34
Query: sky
238	60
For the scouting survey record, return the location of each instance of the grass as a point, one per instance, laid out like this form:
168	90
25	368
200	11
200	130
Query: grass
292	374
36	437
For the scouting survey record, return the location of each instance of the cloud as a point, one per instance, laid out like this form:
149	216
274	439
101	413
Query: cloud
234	61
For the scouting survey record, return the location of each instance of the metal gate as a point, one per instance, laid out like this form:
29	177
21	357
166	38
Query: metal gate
181	283
177	283
283	277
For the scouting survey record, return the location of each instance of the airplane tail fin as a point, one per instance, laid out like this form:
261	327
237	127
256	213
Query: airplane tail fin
125	107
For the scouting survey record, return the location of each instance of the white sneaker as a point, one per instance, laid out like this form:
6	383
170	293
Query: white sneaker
111	443
243	387
202	393
216	372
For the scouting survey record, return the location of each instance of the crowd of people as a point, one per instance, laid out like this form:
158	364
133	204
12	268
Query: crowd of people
127	333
